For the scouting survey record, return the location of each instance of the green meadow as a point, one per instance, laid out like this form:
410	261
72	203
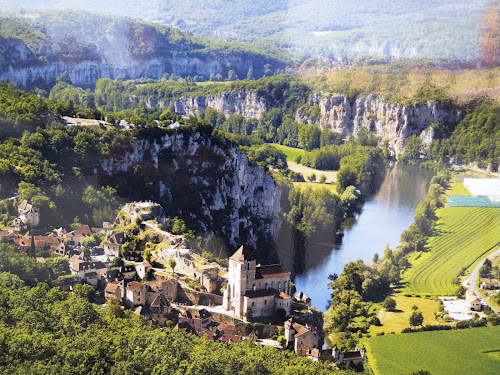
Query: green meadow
464	236
472	351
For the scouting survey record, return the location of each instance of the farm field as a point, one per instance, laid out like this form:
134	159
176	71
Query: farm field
315	185
396	321
465	235
459	189
473	351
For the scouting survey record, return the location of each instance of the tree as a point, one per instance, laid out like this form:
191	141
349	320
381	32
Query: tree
375	258
421	372
312	177
460	292
416	318
486	268
172	263
281	340
322	178
389	304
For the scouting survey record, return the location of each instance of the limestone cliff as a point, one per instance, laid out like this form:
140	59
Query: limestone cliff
247	104
385	120
205	180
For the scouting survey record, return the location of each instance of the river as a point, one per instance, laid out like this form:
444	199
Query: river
384	217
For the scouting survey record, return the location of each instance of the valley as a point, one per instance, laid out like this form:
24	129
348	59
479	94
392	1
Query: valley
247	188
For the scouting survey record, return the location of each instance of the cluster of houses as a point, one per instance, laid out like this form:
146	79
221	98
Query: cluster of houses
253	290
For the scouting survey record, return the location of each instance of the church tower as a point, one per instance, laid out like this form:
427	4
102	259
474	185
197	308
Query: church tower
240	279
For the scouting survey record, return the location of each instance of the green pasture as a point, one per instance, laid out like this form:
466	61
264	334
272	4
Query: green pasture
464	236
290	152
395	321
473	351
459	188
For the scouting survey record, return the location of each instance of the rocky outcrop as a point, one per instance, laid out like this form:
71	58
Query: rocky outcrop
387	121
207	181
247	104
31	73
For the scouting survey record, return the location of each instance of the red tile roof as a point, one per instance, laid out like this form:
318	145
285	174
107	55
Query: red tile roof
134	285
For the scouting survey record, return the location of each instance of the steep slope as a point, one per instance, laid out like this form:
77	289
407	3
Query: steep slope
89	46
205	180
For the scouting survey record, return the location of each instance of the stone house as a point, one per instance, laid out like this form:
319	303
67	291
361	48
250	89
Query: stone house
472	300
113	275
255	289
166	288
159	309
304	338
489	284
128	272
114	289
143	269
113	243
135	294
74	237
28	214
353	359
17	225
9	235
198	321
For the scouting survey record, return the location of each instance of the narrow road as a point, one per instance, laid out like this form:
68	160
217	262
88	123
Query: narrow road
471	281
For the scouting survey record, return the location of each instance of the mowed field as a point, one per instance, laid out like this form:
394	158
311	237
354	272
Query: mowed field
291	153
473	351
465	235
396	321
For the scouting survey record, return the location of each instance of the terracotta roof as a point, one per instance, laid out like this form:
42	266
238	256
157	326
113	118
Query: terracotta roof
261	293
242	254
349	356
160	301
285	296
230	338
116	239
112	286
302	331
134	285
155	286
171	281
84	231
272	270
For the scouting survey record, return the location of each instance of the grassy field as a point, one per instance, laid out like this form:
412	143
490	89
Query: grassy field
474	351
459	189
395	321
465	235
315	185
290	152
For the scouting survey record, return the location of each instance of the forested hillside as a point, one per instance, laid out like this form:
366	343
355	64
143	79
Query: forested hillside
430	29
49	331
37	47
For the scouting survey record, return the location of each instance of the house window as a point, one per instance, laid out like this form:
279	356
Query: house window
248	266
253	304
265	302
266	285
253	287
279	286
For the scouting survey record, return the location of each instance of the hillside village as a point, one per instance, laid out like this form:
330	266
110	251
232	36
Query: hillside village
176	287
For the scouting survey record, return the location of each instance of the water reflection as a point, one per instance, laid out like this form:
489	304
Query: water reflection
383	218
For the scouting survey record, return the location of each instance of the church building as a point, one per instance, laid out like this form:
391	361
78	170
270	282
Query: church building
256	290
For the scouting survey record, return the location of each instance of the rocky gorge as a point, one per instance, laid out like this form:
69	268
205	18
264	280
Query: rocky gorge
205	180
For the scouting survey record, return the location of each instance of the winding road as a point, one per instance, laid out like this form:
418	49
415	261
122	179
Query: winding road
470	282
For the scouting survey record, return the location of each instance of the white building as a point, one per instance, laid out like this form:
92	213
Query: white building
255	289
28	214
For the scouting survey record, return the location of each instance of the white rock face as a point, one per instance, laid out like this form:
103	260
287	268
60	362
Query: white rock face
239	199
385	120
247	104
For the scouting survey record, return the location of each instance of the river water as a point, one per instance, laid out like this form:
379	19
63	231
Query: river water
384	217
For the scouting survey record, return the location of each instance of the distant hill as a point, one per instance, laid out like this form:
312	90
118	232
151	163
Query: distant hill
338	29
39	46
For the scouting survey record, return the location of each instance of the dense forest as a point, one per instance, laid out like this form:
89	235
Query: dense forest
45	330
